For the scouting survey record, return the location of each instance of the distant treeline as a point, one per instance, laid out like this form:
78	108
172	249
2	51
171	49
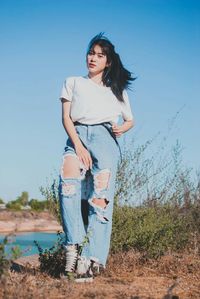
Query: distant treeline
22	202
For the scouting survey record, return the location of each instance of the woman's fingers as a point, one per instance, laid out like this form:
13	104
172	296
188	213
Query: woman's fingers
84	156
90	162
85	162
86	159
117	130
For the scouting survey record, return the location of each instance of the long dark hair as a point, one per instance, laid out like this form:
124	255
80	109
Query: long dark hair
115	75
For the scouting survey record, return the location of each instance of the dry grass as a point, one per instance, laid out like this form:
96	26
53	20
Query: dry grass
127	276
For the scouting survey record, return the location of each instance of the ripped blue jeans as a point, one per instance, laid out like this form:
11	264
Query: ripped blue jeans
84	221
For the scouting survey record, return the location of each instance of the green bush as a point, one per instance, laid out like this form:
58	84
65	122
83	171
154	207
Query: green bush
37	205
13	205
23	198
1	201
152	231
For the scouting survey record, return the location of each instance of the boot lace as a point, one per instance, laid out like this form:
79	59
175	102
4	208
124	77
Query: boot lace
71	257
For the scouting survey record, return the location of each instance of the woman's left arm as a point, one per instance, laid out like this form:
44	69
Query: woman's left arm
118	130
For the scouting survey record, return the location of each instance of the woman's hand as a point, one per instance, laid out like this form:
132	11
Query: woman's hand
84	156
117	130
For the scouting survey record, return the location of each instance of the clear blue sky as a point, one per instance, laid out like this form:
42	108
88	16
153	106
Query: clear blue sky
44	41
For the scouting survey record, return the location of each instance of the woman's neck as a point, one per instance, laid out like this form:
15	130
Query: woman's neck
97	78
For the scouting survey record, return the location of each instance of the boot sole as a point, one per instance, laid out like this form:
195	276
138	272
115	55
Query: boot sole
84	279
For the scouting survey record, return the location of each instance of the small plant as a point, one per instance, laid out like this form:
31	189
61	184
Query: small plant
4	263
51	195
52	260
7	258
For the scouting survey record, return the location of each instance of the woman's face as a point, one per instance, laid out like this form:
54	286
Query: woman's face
96	60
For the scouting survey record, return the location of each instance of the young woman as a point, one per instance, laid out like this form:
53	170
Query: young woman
91	107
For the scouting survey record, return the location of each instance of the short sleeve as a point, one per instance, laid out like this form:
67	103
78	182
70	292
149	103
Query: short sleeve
126	108
67	89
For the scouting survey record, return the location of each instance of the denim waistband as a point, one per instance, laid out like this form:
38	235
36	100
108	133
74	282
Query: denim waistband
108	126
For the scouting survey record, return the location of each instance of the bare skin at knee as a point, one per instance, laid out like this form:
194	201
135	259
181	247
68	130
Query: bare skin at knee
101	202
71	168
101	183
102	179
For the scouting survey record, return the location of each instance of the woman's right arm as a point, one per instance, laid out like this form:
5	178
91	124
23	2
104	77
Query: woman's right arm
81	151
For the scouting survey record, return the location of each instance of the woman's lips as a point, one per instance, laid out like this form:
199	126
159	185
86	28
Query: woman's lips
92	65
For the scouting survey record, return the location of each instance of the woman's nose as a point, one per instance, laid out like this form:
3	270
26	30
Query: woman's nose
93	58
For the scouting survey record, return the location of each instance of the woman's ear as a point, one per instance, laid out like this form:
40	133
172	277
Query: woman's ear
108	64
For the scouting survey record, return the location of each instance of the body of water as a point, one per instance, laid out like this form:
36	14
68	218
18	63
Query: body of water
25	241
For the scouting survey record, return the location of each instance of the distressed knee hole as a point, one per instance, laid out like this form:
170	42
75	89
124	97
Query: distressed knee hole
68	189
71	167
99	205
102	218
101	202
101	180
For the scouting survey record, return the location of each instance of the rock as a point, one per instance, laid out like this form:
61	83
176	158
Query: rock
29	225
28	264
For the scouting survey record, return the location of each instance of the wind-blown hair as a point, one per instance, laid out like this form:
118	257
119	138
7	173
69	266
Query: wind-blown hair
115	75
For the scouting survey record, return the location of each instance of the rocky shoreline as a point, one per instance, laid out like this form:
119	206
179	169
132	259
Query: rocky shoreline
27	221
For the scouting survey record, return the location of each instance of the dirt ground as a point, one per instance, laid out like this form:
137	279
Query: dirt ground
127	276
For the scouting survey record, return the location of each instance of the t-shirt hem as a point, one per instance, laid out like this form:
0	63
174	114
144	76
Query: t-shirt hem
60	98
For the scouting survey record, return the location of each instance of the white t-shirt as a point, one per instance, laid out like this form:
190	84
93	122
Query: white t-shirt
92	103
